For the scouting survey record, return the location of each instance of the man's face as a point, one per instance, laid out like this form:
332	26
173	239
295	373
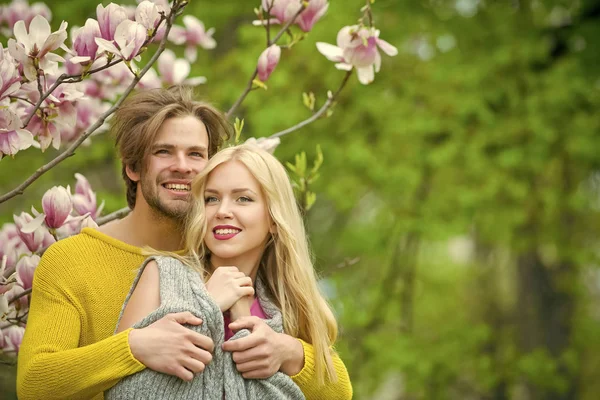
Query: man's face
178	154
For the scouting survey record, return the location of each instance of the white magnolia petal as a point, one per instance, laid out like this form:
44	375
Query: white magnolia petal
39	30
79	59
21	34
343	66
105	45
377	61
33	225
181	70
333	53
366	74
387	48
25	138
191	53
30	71
199	80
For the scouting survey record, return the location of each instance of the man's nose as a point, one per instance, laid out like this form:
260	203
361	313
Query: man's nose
181	164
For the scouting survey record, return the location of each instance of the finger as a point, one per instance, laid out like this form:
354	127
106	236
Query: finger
201	341
244	281
185	317
184	374
252	354
245	322
245	291
242	344
262	373
251	366
194	365
199	354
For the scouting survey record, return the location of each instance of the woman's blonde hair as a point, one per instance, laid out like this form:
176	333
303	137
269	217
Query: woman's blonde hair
286	266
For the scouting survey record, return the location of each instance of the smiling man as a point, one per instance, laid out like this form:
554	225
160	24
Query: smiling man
164	139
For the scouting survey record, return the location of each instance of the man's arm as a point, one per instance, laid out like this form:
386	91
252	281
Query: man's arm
265	352
51	365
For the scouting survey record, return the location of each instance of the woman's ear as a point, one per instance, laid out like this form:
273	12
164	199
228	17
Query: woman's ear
131	174
273	228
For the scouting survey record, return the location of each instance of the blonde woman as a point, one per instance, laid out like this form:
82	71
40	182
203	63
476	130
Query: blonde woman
246	264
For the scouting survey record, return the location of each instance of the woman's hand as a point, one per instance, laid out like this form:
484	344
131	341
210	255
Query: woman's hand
227	285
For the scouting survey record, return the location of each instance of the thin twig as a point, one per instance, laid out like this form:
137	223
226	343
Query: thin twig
318	114
22	99
71	150
249	84
17	297
112	216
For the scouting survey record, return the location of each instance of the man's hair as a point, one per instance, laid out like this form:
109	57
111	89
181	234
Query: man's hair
137	121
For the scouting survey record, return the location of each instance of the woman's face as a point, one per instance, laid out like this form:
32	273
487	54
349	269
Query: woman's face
238	219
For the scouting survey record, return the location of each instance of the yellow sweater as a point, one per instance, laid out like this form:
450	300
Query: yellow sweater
69	351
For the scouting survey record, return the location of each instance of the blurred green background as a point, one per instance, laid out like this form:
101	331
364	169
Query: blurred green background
458	210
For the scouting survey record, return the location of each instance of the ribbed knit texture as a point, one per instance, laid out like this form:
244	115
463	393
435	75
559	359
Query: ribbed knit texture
69	351
182	289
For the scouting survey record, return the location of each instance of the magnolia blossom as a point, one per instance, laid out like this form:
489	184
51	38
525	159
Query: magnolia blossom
311	14
282	10
84	42
34	46
84	199
10	80
32	232
25	269
147	14
4	311
174	71
193	35
12	137
267	62
11	246
129	38
13	336
57	206
265	143
109	18
20	10
357	47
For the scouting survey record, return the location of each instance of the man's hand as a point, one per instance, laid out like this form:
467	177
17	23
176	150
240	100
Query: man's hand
227	285
264	352
167	346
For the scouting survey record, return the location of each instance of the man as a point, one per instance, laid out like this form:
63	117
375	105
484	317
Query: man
69	350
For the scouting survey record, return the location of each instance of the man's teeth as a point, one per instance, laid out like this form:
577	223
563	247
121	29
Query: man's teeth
226	231
178	186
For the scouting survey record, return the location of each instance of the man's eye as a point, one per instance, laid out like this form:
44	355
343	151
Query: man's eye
162	151
197	154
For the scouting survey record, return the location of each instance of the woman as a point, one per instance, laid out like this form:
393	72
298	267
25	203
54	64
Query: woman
245	238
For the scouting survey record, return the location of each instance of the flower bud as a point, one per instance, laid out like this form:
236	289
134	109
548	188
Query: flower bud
25	269
268	61
57	206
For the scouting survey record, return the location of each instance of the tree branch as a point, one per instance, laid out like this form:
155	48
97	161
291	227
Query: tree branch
112	216
71	150
319	113
269	43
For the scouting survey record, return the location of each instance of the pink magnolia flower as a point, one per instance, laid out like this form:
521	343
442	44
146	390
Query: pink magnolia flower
265	143
282	10
57	206
31	231
130	36
20	10
357	47
193	35
12	137
174	71
10	80
267	62
150	80
34	46
25	269
84	199
84	42
109	18
11	246
13	336
147	14
311	14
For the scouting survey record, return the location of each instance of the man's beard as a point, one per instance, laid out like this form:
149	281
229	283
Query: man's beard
178	211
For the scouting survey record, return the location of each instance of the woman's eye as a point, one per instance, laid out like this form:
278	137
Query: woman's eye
244	199
210	199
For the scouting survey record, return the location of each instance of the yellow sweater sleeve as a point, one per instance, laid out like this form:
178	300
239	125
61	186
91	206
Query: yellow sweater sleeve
308	382
50	364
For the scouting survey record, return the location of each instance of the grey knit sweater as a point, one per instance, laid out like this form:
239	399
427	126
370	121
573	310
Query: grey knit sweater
182	289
